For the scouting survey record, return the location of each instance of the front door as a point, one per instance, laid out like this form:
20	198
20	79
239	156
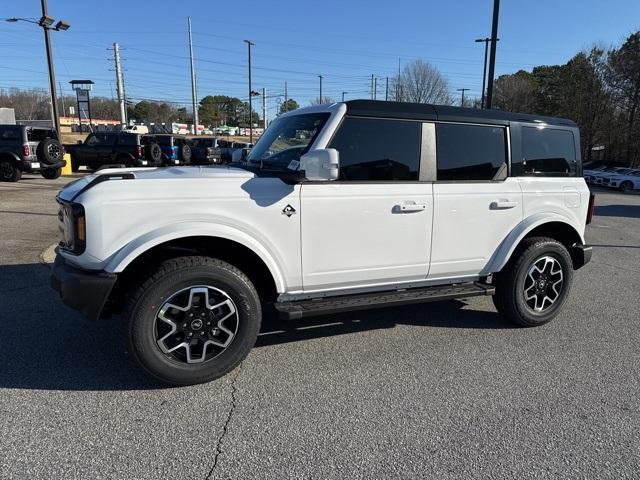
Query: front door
372	226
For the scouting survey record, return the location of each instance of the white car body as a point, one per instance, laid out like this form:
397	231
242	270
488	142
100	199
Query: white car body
341	237
632	179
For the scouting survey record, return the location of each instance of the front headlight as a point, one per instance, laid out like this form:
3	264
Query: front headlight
72	227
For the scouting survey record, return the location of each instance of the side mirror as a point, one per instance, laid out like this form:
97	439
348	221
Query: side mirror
321	164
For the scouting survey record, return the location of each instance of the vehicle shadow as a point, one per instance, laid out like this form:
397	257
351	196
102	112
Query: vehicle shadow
628	211
445	314
47	346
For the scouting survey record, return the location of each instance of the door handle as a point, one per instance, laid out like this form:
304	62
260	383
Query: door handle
407	207
502	205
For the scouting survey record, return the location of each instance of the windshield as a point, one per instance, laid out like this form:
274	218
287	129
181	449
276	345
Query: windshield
286	139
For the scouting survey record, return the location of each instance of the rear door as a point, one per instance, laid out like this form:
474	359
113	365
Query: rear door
106	147
373	225
476	203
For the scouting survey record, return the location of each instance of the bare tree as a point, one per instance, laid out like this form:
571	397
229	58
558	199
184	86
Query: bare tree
324	100
514	93
420	82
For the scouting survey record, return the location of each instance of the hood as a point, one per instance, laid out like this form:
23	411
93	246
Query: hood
81	185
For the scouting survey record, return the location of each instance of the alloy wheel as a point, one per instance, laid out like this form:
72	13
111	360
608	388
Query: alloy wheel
543	283
196	324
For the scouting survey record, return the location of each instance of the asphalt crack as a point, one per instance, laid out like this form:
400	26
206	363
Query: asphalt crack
234	391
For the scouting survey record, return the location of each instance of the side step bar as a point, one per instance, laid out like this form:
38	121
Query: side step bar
321	306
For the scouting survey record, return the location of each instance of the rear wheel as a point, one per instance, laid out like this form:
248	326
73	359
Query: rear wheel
626	185
534	285
51	173
9	172
75	166
193	321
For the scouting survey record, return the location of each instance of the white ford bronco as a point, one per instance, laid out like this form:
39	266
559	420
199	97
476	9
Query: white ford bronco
338	207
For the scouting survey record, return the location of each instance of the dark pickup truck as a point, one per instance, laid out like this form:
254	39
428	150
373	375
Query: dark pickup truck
102	149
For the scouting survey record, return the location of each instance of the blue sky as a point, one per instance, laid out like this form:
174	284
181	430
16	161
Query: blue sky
345	41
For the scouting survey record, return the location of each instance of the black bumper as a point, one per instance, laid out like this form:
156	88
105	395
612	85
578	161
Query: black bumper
82	290
581	255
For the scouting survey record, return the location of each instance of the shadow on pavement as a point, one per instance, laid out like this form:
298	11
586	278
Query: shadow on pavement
47	346
628	211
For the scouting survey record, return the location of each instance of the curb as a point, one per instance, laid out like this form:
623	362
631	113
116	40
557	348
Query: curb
48	255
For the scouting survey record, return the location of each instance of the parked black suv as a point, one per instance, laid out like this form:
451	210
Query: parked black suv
29	149
203	148
114	148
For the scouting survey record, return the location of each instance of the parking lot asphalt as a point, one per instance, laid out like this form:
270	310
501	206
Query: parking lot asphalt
446	390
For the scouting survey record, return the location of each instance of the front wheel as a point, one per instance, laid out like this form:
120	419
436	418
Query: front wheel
534	285
194	320
51	173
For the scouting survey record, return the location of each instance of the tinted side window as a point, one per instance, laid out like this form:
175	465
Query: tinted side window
127	139
378	149
92	140
10	134
469	152
546	152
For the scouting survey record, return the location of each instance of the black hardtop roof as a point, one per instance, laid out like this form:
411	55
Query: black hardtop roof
425	111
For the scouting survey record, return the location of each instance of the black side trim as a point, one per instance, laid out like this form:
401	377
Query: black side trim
85	291
103	178
346	303
581	255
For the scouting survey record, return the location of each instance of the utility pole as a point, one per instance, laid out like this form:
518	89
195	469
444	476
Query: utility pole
62	99
386	91
492	58
249	44
119	84
285	93
375	88
52	74
372	86
194	99
398	83
264	108
343	95
462	100
484	68
320	77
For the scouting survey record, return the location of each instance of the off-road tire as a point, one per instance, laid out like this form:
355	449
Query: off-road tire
185	153
51	173
174	275
9	172
49	151
509	298
153	152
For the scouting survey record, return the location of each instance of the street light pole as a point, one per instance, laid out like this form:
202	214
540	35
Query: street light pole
46	23
194	95
249	44
320	77
52	74
492	58
484	68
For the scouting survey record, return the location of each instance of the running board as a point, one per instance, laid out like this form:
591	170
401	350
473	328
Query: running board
321	306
